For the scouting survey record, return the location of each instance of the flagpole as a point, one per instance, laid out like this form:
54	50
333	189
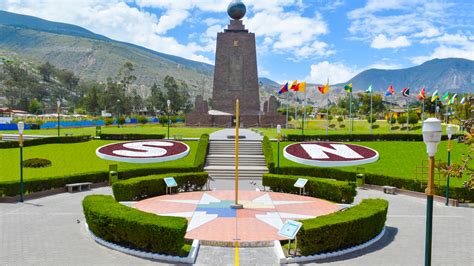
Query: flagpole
286	125
296	110
436	109
447	107
423	110
408	112
350	110
390	118
371	112
304	113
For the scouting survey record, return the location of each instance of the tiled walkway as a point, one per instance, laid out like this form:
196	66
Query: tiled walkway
211	217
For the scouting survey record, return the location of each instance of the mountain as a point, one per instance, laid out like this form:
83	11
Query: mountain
95	57
451	74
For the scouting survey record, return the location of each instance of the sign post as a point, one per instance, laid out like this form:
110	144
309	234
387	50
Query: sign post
301	183
289	230
170	183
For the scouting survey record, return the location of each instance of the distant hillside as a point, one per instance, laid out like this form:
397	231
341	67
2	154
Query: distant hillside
452	74
93	56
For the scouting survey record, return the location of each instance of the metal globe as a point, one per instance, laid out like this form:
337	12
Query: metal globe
236	9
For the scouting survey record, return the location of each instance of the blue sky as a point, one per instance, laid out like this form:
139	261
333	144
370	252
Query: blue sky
310	40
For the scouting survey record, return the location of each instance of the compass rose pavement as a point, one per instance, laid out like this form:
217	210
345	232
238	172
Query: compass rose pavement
211	218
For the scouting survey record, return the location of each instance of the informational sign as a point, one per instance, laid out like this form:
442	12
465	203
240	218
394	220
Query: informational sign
301	182
290	229
146	151
170	182
329	154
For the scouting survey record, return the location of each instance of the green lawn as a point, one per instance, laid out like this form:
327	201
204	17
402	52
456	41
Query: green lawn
397	158
187	132
68	159
318	127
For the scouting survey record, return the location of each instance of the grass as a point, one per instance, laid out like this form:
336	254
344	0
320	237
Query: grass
187	132
397	158
69	159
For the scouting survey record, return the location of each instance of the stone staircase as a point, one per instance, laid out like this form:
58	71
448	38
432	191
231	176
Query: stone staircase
220	162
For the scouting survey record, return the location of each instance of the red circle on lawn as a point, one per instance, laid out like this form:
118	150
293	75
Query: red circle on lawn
329	154
144	151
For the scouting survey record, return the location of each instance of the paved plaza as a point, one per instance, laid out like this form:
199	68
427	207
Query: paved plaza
50	231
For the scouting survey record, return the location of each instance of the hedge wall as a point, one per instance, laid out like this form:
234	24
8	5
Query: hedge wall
343	229
132	228
42	141
201	152
362	137
151	186
131	136
333	190
268	153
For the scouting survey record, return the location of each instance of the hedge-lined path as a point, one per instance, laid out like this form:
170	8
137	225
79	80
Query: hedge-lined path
44	231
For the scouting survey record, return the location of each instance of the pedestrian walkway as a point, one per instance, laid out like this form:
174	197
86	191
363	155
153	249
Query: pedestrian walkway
229	134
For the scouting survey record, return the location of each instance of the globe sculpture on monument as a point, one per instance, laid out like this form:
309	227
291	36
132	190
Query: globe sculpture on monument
235	77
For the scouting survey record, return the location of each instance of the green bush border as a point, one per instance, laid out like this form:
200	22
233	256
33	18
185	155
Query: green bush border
333	190
362	137
133	228
343	229
43	141
131	136
151	186
268	153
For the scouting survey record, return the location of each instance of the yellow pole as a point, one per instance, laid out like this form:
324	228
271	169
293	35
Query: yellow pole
237	124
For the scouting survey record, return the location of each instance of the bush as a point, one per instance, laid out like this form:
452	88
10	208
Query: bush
362	137
42	141
132	228
268	153
402	119
333	190
343	229
142	120
374	119
201	152
108	121
413	119
340	119
121	120
36	163
131	136
154	185
392	119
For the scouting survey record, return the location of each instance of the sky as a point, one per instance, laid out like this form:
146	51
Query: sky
307	40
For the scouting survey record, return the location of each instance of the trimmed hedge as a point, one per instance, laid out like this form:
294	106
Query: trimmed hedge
268	153
151	186
333	190
131	136
362	137
36	163
132	228
343	229
201	152
42	141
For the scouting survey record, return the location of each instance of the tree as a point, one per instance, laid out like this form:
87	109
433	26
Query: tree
374	119
92	99
46	70
413	119
391	120
178	94
35	107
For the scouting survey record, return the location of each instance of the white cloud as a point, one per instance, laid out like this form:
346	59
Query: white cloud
383	65
443	51
381	41
335	72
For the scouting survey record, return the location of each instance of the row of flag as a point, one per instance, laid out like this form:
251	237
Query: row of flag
301	87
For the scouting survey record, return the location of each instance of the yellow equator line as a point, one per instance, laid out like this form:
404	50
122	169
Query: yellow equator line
236	253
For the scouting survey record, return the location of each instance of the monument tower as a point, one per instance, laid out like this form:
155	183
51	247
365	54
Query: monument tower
235	72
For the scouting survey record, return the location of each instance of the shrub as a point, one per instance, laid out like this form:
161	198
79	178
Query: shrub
413	119
374	119
42	141
392	119
201	152
108	121
36	163
323	188
131	136
154	185
402	119
332	125
361	137
268	153
343	229
330	117
121	120
133	228
340	119
142	120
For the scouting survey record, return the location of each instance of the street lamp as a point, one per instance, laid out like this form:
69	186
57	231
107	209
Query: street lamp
449	132
278	139
168	102
21	127
58	102
431	136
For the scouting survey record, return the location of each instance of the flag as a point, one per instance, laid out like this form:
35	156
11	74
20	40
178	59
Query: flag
369	90
294	86
463	100
406	92
324	89
435	96
348	88
421	96
453	99
389	91
301	86
445	97
283	89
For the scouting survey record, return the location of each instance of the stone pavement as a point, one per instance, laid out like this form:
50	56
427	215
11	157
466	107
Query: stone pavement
222	134
45	232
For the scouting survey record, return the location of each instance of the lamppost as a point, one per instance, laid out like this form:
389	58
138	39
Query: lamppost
302	123
58	102
168	102
278	156
431	136
449	132
21	127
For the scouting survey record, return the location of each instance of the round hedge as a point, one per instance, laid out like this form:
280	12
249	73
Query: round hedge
36	163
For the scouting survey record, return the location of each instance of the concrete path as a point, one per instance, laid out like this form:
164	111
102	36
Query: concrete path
45	232
222	134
